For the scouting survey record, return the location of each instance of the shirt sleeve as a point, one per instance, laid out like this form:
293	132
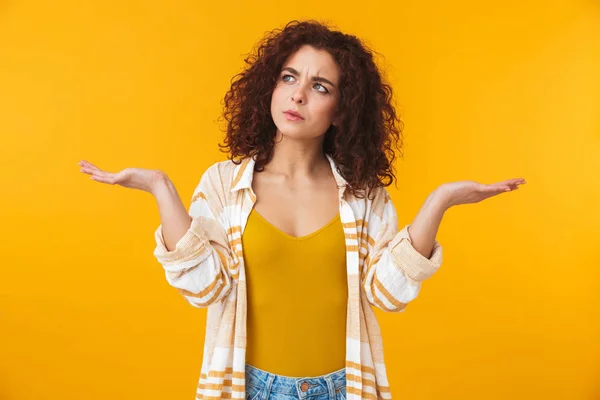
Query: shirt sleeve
198	266
393	270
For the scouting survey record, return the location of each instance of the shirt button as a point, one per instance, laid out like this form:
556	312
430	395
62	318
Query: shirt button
304	386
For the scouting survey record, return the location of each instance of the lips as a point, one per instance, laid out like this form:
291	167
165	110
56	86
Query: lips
293	113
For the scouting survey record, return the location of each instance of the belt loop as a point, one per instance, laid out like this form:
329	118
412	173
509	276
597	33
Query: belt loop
330	387
268	385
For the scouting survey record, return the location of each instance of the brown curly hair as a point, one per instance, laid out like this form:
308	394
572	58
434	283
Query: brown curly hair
369	131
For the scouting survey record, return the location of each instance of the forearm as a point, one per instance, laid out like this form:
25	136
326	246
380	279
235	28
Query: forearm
174	217
423	229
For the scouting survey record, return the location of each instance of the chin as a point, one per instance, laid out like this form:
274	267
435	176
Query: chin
294	132
298	134
295	129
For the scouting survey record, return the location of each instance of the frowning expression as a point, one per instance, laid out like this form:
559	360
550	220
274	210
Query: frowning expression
308	84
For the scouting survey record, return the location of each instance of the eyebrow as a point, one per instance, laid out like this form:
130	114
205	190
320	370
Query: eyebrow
314	78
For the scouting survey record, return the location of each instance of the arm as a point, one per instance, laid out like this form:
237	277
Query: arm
193	247
423	229
174	218
394	269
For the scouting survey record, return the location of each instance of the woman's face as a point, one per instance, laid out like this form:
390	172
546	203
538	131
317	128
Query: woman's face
307	84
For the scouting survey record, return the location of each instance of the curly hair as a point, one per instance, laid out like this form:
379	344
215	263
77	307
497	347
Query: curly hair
363	143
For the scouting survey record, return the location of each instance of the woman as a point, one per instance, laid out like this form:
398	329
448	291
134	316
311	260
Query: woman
291	241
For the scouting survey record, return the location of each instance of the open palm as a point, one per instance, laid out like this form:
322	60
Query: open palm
465	192
134	178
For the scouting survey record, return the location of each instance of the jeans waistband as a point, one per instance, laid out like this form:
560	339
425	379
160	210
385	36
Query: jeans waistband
296	386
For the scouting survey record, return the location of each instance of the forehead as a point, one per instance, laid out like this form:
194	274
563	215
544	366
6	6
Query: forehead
314	61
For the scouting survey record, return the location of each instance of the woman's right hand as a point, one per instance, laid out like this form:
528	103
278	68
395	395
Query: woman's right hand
134	178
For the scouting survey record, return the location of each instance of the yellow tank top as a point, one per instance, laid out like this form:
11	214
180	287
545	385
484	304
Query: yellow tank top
297	294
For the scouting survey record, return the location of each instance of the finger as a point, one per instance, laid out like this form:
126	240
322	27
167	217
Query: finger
108	176
90	171
506	188
89	165
516	181
101	175
86	170
511	188
495	188
510	182
498	190
500	184
103	179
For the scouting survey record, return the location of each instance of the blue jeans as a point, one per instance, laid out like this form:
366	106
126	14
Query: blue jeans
262	385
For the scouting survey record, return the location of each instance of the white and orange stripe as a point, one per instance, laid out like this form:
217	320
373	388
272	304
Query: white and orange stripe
207	268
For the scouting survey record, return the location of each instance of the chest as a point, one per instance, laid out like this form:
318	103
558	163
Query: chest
299	209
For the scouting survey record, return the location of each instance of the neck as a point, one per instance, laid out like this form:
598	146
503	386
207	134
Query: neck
297	158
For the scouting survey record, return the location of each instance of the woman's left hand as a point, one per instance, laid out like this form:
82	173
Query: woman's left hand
465	192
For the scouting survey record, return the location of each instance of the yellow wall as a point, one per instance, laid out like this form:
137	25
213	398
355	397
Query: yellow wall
487	92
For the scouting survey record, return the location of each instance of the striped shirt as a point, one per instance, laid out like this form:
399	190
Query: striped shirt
384	270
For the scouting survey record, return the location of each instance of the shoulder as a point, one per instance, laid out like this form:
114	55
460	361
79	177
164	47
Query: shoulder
379	206
214	189
376	198
220	175
372	209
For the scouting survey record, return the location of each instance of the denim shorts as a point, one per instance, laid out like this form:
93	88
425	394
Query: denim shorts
262	385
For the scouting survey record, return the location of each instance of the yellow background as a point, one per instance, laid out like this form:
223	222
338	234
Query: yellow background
487	92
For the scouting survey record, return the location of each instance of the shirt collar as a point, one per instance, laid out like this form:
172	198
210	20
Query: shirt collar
244	172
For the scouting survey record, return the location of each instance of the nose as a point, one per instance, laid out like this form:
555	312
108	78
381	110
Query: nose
298	94
298	97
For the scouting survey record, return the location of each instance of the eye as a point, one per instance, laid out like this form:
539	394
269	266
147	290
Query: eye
324	91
